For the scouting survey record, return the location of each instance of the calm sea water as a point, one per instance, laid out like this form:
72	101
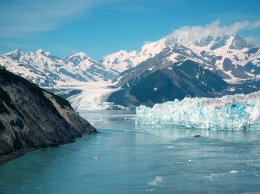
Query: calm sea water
125	158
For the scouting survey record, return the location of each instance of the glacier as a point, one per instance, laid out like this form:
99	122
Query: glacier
232	112
93	95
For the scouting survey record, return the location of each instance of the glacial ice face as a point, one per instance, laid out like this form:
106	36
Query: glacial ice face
227	113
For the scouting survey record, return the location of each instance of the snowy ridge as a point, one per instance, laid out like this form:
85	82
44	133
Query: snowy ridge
47	70
123	60
34	66
231	55
229	113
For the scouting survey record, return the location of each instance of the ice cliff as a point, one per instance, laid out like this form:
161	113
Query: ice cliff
227	113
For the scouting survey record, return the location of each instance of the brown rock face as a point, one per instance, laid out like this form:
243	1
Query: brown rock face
33	118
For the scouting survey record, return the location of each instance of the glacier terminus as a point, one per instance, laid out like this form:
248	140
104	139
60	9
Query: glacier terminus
236	112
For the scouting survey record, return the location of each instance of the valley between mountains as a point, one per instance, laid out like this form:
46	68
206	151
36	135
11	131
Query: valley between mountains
164	70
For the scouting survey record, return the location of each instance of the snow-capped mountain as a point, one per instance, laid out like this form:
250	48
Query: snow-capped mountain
86	68
47	70
160	83
232	56
207	68
39	67
123	60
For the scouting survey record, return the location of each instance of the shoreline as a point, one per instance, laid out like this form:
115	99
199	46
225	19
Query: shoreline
15	154
18	153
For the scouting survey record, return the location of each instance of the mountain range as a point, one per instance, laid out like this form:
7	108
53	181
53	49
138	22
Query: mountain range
231	56
230	60
206	68
47	70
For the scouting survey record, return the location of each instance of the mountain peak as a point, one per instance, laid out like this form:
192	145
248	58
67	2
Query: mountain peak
82	55
239	43
204	41
220	41
15	54
72	53
39	51
234	41
78	58
172	40
16	51
79	55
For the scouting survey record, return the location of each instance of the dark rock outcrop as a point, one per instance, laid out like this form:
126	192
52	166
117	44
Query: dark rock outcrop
32	118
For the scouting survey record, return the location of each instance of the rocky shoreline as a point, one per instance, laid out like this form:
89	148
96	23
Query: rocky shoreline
15	154
32	118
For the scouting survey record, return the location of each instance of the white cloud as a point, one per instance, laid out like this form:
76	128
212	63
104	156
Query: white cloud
252	39
255	24
193	33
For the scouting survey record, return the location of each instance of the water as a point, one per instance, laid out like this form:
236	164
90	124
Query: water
125	158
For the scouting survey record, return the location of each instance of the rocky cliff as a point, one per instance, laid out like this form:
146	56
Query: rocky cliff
32	118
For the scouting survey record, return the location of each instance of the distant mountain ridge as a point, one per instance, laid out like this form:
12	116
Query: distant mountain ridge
47	70
205	68
231	56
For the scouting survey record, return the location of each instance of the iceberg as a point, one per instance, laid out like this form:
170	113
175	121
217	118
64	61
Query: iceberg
232	112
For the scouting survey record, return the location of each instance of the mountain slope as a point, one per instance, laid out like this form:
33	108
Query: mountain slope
87	69
231	56
175	81
47	70
123	60
33	118
167	76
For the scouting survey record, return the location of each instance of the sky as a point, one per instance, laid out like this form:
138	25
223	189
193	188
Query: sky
102	27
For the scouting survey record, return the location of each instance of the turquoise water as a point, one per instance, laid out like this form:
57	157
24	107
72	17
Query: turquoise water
125	158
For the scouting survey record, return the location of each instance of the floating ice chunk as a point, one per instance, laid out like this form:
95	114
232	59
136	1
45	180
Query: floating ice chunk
229	113
156	182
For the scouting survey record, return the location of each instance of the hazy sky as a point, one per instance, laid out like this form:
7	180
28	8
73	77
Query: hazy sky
101	27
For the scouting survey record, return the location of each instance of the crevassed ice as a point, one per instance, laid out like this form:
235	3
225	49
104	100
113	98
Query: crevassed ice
234	112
